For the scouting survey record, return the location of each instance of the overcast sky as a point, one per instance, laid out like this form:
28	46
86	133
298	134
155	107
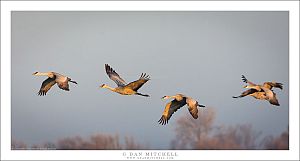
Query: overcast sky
200	54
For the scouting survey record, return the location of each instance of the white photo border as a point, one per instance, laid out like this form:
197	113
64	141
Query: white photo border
8	6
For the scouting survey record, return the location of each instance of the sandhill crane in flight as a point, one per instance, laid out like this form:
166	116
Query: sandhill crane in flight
179	101
124	88
53	78
262	92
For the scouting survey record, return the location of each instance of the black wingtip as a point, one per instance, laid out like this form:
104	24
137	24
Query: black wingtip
163	121
107	67
280	85
145	76
41	93
244	79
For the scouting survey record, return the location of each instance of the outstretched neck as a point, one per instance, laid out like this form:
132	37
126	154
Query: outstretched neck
110	88
41	73
49	74
258	88
168	97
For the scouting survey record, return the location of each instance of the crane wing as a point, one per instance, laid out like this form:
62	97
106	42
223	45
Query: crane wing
46	85
63	86
247	81
271	96
62	82
273	100
270	85
246	93
113	75
170	108
192	107
139	83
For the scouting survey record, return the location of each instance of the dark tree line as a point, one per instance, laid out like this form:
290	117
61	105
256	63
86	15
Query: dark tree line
202	133
94	142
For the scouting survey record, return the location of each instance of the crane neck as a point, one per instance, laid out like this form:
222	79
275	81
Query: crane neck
41	74
110	88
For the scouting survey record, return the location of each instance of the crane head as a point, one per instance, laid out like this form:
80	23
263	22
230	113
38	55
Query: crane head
103	86
165	97
246	86
34	73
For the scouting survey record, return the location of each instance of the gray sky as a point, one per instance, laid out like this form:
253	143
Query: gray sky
200	54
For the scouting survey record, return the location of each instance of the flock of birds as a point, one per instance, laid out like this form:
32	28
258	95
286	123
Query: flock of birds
262	92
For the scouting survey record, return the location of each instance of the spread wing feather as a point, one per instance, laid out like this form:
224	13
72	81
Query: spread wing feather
170	108
46	85
139	83
247	81
113	75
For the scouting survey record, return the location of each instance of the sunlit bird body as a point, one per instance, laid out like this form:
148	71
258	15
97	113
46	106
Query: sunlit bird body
53	78
179	101
124	88
262	92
